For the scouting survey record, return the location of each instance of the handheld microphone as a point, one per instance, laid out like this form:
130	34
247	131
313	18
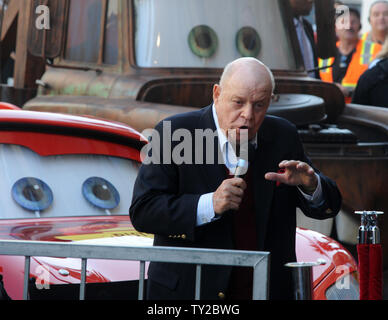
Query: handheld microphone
241	169
246	156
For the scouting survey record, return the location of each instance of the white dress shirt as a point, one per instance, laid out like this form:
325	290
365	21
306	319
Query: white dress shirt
205	209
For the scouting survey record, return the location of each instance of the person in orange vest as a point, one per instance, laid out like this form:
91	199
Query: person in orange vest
349	63
378	19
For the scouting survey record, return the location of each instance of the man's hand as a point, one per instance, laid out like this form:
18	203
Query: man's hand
296	173
229	195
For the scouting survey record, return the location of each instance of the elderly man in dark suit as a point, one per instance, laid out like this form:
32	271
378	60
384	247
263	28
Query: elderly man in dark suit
201	204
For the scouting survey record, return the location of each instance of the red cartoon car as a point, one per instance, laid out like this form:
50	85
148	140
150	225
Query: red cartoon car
70	179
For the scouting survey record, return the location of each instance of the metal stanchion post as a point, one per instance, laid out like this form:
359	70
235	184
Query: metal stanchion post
302	274
369	232
369	256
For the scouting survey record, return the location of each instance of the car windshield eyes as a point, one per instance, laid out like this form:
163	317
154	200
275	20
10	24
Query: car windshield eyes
248	42
32	194
101	193
203	41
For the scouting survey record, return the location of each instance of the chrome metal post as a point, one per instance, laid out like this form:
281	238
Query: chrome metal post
369	232
27	265
198	282
363	231
141	280
302	274
83	279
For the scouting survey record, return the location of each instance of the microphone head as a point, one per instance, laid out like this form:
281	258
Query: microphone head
242	168
242	163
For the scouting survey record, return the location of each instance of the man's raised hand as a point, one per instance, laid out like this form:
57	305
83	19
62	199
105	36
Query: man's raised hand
295	173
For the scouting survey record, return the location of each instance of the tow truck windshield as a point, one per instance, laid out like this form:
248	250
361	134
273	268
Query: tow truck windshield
209	34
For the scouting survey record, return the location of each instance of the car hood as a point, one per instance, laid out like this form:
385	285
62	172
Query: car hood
313	246
73	229
91	230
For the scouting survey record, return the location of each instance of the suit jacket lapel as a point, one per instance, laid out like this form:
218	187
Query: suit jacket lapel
213	174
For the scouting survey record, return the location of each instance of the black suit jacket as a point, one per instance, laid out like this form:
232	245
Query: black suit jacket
310	35
372	86
165	203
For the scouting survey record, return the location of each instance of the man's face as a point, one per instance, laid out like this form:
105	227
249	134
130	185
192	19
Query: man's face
241	104
348	34
379	17
301	7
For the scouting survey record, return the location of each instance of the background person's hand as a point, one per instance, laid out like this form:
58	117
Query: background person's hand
229	195
296	173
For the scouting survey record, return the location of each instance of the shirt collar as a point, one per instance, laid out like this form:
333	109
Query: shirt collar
221	136
298	21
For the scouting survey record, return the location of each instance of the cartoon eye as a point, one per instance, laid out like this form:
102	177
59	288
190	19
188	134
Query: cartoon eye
101	193
32	194
203	41
248	42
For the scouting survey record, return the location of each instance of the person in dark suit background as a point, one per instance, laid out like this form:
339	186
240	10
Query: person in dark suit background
305	33
200	204
373	84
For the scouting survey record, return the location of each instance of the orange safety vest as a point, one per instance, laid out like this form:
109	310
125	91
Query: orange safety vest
365	53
